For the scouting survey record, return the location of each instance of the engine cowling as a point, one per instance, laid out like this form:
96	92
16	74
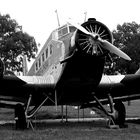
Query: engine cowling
89	44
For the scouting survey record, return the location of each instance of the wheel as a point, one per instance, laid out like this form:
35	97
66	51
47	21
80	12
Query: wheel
20	117
119	119
89	44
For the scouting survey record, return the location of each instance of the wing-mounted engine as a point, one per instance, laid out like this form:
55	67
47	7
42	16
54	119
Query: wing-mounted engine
1	69
90	43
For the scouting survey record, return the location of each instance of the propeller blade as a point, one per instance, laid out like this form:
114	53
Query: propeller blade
79	27
107	45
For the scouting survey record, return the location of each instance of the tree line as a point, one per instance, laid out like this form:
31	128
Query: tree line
127	38
14	44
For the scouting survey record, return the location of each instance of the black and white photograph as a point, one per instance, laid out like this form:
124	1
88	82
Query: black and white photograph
69	70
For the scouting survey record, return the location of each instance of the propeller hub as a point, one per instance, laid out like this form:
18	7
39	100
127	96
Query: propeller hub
94	43
96	37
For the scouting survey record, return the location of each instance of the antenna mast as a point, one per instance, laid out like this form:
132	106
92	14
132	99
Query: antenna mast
85	16
57	18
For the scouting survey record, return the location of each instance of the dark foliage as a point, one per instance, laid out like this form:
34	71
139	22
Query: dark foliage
14	44
127	38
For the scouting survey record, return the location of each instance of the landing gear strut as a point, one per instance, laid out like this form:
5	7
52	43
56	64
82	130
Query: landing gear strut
116	114
23	115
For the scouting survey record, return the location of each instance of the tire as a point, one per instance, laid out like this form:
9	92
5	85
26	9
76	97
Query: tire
121	114
20	117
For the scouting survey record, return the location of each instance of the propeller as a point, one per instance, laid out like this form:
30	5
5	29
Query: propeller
105	44
79	27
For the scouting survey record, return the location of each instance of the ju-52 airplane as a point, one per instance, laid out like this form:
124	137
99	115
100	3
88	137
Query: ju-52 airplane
69	71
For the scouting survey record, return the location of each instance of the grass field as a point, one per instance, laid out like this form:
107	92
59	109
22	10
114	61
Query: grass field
70	131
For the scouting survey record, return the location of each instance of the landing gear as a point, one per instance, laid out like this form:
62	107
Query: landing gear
116	114
20	117
23	115
120	114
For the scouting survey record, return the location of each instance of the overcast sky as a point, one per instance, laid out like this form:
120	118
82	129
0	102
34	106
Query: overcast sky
38	17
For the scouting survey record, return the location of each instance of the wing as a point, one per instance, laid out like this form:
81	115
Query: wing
15	89
121	87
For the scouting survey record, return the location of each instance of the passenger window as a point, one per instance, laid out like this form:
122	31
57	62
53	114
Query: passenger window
36	66
51	48
46	53
39	62
43	57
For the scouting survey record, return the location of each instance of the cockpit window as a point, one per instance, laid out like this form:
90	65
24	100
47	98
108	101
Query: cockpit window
72	28
62	31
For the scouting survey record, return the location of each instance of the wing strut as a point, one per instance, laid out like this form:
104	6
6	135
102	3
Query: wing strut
30	113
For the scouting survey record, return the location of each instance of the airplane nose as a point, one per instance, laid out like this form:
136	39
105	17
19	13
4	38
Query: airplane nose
95	38
90	43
